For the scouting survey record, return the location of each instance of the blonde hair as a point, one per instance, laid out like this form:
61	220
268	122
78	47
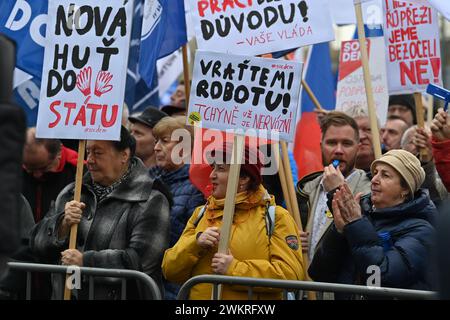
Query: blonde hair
167	125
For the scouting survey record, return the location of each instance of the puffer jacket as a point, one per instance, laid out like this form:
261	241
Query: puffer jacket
255	255
185	197
404	259
128	229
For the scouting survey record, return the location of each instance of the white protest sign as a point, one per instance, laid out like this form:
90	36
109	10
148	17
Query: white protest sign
351	91
443	6
84	72
242	92
413	49
256	27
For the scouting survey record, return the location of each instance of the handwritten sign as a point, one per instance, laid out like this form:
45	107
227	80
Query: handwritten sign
242	92
253	27
351	91
413	50
84	72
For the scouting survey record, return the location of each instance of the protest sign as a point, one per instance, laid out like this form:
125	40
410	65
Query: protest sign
241	92
413	49
257	27
84	72
350	89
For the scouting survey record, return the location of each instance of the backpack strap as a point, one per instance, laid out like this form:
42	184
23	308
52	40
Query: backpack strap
200	215
270	219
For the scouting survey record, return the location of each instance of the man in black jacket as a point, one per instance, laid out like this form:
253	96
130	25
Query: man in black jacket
12	135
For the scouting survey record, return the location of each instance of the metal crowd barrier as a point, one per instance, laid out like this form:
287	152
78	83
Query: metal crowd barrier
91	272
289	285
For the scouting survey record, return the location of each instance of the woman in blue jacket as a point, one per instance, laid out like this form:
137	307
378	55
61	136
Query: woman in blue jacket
391	230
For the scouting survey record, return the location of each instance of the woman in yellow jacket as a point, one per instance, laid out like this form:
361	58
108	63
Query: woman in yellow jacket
252	252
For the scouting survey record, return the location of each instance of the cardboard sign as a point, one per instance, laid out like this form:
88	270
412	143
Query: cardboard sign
256	27
242	92
413	49
351	91
84	72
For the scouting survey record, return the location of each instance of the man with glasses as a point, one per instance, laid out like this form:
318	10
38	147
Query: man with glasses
48	167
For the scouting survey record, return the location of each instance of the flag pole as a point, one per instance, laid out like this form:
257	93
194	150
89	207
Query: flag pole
367	81
77	197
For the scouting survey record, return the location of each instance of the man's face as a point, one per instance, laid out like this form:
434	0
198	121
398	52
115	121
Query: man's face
179	96
37	161
391	134
339	143
365	138
106	164
145	141
401	111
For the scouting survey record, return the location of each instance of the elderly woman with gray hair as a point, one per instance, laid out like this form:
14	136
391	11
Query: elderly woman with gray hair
390	229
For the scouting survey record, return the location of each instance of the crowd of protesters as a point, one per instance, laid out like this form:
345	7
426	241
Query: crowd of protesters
140	210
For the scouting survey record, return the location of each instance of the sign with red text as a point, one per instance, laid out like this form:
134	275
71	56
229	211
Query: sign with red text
351	92
412	46
84	72
257	95
253	27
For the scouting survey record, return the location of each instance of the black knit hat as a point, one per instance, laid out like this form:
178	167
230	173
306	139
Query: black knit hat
406	100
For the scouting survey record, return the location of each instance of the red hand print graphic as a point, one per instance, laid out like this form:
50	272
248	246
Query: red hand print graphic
102	85
84	81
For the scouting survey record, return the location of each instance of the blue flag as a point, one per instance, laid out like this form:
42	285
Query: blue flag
163	32
138	95
24	22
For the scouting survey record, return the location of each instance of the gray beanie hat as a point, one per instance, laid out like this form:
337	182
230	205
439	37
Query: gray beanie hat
406	164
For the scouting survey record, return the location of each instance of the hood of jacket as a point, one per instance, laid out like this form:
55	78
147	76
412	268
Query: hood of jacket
244	201
421	207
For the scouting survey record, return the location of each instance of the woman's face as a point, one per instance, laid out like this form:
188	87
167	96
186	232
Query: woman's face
386	188
163	152
219	180
106	165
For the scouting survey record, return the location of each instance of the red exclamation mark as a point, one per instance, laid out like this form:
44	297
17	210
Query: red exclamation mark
436	66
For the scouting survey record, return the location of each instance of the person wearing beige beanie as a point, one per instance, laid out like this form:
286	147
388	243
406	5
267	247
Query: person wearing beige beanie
391	229
407	165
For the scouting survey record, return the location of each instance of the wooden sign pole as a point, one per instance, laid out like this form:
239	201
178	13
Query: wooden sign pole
187	85
294	203
77	197
420	120
232	185
368	82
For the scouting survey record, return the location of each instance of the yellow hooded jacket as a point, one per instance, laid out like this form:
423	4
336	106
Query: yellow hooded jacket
254	254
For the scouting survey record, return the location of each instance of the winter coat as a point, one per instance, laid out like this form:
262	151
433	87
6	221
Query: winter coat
12	136
255	255
128	229
185	198
441	153
404	259
308	196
